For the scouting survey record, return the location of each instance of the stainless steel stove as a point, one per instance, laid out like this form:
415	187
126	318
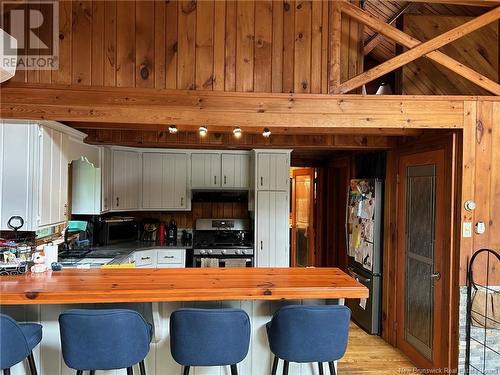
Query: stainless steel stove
223	243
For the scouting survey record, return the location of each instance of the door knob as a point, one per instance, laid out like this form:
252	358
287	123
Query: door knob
436	276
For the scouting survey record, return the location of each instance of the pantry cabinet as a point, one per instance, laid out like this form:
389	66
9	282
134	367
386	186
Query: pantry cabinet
165	182
272	245
273	171
205	170
126	177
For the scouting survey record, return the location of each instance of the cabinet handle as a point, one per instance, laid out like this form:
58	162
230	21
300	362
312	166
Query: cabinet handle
261	181
117	202
182	201
168	257
145	258
215	180
225	180
261	245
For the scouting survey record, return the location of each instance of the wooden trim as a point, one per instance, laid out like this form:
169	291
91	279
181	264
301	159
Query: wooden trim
215	108
472	3
180	284
410	42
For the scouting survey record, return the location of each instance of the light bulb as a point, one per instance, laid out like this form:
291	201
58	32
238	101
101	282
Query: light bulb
172	129
203	131
237	132
266	133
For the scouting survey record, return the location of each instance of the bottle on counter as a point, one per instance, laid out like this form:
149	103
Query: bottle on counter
161	233
172	232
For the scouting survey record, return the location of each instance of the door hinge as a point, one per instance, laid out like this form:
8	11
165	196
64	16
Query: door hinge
394	326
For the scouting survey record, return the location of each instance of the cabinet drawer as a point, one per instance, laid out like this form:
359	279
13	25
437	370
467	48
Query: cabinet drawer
145	258
171	257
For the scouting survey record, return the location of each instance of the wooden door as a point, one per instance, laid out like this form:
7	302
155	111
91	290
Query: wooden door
302	218
420	272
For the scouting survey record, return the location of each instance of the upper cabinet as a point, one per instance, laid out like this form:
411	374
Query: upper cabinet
220	170
205	171
106	160
85	188
34	173
165	182
273	171
126	180
235	171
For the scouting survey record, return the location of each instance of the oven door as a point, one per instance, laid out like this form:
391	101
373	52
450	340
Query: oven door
201	261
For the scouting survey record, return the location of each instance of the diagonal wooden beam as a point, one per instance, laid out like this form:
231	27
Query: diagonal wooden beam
376	38
336	33
418	50
472	3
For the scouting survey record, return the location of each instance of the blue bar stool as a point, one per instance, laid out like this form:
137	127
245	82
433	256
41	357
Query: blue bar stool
17	341
104	340
209	337
305	334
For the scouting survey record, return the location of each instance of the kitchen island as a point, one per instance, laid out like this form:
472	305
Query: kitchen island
156	293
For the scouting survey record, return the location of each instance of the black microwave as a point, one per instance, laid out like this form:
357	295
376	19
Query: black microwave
116	230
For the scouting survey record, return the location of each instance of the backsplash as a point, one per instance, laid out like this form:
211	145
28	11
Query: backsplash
206	210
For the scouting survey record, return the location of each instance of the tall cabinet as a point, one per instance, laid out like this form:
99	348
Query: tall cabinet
272	195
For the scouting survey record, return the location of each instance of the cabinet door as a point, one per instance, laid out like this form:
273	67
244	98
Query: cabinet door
235	171
273	171
178	172
272	229
153	182
127	171
205	171
106	194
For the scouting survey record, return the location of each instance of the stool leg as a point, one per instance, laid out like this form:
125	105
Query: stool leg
186	370
275	365
92	372
142	368
285	367
130	371
320	368
234	370
6	371
332	368
31	363
79	372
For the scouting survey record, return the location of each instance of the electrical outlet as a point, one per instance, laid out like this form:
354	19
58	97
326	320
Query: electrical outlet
467	229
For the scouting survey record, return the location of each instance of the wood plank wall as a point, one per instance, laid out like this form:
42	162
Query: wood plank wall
477	50
261	46
481	182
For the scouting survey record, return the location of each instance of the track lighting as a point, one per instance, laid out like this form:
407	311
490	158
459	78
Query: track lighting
266	133
237	132
203	131
172	129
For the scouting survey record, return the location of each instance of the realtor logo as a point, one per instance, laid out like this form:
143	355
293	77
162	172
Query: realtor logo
29	40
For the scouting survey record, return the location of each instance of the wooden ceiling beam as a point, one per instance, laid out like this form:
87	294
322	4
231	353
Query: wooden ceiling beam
227	109
478	3
411	42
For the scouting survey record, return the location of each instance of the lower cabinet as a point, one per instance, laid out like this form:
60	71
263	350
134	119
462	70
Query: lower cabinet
160	258
272	217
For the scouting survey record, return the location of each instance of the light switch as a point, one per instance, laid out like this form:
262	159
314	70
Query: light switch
480	227
467	229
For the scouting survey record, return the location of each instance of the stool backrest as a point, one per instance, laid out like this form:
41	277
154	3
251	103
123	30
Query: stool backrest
301	333
13	345
209	337
103	339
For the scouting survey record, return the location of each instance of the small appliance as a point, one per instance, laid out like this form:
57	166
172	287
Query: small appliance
172	232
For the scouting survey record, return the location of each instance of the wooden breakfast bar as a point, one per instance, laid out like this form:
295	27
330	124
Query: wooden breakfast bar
156	293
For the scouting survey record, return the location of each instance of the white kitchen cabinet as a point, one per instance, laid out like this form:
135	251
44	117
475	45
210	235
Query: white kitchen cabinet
85	188
126	180
165	182
205	170
272	235
106	161
34	172
160	258
273	171
235	171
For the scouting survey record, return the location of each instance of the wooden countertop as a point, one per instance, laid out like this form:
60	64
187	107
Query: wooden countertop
184	284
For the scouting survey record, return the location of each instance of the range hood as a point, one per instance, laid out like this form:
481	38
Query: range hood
220	196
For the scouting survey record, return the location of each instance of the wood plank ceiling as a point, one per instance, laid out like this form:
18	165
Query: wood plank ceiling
387	10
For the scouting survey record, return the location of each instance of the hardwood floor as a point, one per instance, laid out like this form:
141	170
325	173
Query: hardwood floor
368	354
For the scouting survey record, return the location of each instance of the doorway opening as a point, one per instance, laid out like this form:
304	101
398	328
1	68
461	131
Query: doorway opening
302	220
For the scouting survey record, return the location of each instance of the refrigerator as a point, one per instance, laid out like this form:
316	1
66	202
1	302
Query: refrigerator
364	247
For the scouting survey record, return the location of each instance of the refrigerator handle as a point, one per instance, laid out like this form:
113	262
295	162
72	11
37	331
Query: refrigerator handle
357	276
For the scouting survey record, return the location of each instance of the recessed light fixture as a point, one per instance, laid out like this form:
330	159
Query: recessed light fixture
203	131
172	129
266	133
237	132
